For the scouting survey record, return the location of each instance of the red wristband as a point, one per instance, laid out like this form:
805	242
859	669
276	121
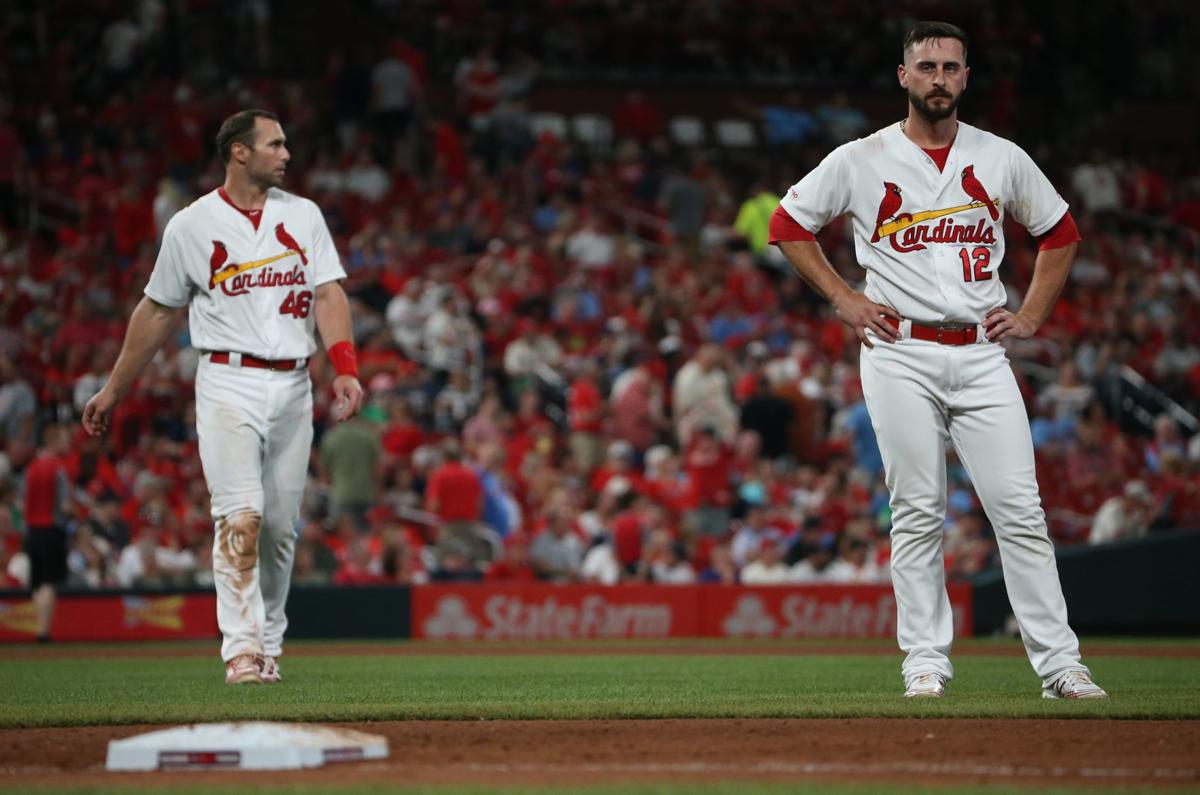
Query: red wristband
343	357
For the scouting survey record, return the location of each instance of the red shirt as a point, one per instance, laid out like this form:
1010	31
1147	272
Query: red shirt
45	484
503	571
454	493
584	404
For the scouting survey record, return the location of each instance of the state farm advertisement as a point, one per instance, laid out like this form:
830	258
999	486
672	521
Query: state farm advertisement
111	618
552	612
544	612
814	611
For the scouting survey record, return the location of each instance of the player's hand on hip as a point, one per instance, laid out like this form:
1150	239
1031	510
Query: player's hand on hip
347	397
999	323
98	412
861	313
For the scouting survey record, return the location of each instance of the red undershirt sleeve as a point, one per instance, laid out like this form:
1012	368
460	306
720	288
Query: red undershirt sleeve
1064	233
784	227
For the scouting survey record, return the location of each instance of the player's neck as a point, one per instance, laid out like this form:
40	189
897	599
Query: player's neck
244	194
929	134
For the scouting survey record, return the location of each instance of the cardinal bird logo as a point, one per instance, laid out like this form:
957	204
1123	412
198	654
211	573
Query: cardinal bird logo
888	207
289	242
218	259
974	188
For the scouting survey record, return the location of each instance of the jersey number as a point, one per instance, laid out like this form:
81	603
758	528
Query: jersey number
297	304
975	264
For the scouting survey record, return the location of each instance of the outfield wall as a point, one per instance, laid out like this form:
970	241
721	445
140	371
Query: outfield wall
1145	586
496	612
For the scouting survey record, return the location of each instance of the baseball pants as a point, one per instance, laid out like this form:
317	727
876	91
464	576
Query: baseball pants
920	396
255	432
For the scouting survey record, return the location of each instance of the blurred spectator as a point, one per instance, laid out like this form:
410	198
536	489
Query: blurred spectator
637	406
359	566
1097	184
17	404
841	121
394	93
501	512
350	457
708	463
701	396
593	246
531	358
753	220
685	200
513	566
47	502
455	494
557	551
668	561
637	118
721	568
154	561
769	416
852	565
767	568
1167	441
1124	516
585	408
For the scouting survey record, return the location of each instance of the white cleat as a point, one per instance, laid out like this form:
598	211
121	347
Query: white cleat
269	670
1073	684
243	670
929	685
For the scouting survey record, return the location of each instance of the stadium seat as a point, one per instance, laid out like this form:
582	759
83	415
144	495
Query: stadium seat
687	130
592	129
736	133
554	123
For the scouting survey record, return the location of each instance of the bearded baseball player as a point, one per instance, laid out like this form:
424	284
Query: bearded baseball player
258	270
927	199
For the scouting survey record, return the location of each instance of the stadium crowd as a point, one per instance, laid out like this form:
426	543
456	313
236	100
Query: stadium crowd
583	363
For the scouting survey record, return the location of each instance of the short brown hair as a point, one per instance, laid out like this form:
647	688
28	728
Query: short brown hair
239	129
924	31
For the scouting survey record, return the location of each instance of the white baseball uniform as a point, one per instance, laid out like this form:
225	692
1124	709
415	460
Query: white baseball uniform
250	291
931	242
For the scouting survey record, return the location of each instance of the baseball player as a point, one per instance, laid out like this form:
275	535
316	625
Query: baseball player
927	199
258	271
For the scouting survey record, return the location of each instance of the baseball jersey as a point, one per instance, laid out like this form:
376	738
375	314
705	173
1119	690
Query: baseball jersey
931	241
250	290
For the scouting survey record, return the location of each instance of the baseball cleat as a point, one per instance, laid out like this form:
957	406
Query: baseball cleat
929	685
243	669
269	670
1073	684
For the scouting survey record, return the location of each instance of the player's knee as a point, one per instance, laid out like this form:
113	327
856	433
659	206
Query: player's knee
237	537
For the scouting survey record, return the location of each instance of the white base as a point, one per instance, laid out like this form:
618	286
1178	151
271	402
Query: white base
244	746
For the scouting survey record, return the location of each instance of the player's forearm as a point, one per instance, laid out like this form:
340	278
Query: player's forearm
809	262
1049	275
333	314
149	326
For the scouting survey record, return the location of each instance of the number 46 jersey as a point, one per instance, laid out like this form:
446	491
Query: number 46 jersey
931	240
249	276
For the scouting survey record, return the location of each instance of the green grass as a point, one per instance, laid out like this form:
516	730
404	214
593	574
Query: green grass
111	690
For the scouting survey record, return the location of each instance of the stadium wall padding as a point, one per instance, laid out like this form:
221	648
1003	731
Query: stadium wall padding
372	611
1143	586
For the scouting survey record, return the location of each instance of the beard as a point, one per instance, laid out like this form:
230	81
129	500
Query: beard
929	113
267	179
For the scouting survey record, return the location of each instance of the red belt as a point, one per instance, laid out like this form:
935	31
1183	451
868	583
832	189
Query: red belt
221	357
964	335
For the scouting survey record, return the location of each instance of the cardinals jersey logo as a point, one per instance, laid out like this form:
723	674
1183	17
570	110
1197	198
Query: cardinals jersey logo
289	242
908	232
888	207
233	278
974	188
